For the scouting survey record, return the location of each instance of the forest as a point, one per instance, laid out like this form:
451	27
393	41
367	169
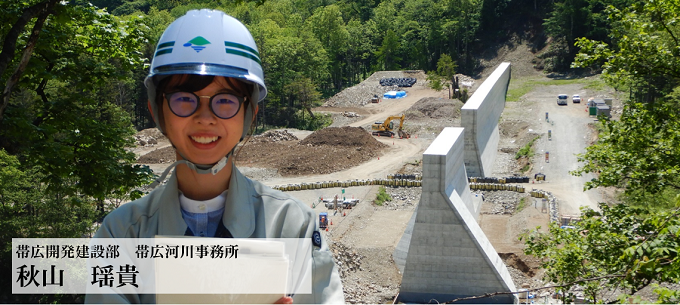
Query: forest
71	74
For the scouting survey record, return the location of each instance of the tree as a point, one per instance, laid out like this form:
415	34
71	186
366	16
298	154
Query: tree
446	68
640	151
387	54
41	10
435	81
329	28
619	246
304	91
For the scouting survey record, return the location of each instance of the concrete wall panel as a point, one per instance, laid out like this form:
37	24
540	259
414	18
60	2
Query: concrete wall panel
448	254
479	117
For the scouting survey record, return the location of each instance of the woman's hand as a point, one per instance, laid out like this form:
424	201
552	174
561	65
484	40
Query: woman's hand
285	300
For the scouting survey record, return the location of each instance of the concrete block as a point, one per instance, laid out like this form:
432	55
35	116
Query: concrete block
479	117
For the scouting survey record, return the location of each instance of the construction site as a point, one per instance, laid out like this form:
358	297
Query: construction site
459	195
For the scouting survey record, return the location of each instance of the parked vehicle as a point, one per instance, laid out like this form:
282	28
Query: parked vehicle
562	99
576	98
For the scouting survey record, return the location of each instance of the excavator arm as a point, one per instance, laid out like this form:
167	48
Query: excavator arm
385	130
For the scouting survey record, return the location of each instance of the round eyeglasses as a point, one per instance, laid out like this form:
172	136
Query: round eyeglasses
223	105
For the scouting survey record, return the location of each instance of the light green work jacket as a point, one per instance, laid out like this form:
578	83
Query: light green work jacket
252	210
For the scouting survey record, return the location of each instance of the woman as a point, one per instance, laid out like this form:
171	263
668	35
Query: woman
204	85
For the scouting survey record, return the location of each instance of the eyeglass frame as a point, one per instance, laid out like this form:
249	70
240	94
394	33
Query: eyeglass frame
241	100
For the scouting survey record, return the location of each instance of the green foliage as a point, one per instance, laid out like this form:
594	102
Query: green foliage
318	121
387	55
77	137
446	67
521	205
527	150
382	196
666	296
640	152
435	81
29	209
525	168
628	247
642	54
569	21
464	96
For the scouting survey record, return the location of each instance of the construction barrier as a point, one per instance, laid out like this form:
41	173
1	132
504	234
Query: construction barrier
501	180
393	181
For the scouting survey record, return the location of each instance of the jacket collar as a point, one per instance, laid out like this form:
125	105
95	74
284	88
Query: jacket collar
170	221
239	209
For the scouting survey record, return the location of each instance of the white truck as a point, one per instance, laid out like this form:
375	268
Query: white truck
562	99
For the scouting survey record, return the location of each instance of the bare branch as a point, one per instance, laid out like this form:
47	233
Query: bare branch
44	11
10	40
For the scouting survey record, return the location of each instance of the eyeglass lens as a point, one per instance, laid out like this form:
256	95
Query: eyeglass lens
223	105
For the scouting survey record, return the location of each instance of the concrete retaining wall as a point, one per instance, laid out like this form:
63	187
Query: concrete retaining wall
479	117
448	254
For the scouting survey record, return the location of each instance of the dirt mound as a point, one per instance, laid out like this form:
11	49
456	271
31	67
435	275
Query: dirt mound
275	136
323	152
435	108
343	136
158	156
512	260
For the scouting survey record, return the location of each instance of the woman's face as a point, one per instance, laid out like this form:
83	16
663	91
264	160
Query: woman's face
202	137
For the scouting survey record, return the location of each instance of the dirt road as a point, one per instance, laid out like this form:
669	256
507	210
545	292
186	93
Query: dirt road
570	135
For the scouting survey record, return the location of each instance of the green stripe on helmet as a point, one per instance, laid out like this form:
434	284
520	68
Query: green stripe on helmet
242	47
161	52
244	54
165	45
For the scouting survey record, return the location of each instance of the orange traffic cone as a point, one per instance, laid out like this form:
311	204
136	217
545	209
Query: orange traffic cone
326	229
344	214
331	222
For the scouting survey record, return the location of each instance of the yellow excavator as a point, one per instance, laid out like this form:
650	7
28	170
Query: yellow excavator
385	129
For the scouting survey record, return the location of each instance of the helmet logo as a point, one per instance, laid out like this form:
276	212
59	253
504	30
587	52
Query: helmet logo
198	43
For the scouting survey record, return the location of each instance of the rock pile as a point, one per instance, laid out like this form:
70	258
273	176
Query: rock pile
402	198
358	95
346	259
465	82
370	293
149	137
275	136
350	114
503	202
361	94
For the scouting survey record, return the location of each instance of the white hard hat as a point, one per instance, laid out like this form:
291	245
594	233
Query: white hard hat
207	42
